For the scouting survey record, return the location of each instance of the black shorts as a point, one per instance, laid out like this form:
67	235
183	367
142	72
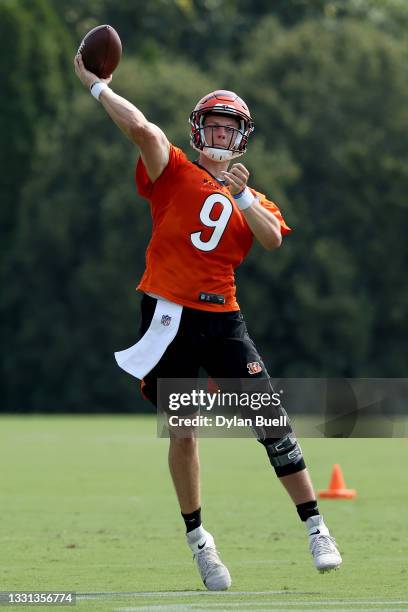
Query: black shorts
218	342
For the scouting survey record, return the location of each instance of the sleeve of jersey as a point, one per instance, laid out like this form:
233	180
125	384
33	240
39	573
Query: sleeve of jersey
144	184
285	229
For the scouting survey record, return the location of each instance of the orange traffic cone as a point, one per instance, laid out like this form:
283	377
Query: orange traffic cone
337	487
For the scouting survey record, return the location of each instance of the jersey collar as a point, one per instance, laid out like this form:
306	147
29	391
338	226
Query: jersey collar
197	163
221	183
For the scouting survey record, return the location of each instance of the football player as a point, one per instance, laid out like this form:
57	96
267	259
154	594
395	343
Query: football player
205	217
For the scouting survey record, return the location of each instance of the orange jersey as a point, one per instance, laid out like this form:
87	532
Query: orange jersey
199	235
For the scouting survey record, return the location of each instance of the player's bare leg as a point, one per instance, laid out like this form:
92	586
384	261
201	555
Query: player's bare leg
184	464
299	486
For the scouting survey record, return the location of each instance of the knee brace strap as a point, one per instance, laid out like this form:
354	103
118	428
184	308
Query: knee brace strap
284	454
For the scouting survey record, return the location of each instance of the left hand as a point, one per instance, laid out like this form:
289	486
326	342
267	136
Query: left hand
236	178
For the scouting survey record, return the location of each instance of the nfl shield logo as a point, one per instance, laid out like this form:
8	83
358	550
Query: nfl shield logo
165	320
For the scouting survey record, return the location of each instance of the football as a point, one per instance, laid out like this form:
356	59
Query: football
101	50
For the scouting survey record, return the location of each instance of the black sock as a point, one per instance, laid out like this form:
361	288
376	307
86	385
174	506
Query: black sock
192	520
307	510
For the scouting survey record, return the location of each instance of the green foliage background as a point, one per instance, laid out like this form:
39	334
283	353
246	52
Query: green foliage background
327	85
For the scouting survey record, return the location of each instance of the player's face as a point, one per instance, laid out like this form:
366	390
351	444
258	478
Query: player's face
220	131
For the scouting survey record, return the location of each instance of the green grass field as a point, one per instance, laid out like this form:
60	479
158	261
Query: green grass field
87	505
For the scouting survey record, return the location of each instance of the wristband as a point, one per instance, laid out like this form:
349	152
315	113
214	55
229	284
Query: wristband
245	199
97	88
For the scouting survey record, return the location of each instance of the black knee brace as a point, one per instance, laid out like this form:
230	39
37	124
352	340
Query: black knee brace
284	454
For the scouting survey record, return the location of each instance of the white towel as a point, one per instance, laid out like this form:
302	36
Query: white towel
139	359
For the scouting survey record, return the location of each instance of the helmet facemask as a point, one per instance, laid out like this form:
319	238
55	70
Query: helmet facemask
202	137
212	147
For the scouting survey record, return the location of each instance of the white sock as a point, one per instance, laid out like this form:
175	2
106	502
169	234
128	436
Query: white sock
315	525
196	534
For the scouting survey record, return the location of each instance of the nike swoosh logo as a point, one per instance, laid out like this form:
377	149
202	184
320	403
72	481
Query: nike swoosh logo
314	532
201	546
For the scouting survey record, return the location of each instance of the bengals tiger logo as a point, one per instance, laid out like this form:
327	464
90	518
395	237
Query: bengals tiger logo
254	367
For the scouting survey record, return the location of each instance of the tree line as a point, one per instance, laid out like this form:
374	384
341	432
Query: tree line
327	86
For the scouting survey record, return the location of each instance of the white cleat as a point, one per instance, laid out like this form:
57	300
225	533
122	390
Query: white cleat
323	547
213	572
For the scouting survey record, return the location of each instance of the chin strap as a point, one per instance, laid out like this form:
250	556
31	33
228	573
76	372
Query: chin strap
219	154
